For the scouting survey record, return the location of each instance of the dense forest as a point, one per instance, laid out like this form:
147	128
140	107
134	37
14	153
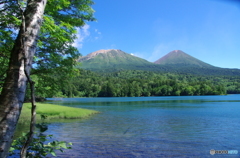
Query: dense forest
135	83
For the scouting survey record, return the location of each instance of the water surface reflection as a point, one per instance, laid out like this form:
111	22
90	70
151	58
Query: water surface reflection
152	126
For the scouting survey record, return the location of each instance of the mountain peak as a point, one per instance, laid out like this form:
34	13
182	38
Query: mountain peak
96	53
177	51
177	57
103	51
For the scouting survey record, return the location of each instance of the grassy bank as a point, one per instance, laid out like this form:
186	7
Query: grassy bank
53	112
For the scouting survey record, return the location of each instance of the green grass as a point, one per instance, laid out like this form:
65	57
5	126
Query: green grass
54	112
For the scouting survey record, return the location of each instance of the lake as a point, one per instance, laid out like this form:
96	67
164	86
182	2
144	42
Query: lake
178	126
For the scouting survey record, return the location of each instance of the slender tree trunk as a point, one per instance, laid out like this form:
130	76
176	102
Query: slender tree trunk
14	88
33	119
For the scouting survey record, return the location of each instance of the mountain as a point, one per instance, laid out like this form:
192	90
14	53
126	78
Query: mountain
113	60
179	62
178	57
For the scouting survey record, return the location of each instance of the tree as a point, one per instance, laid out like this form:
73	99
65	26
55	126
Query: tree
14	87
54	51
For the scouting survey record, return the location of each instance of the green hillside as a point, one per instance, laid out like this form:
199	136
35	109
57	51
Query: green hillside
179	62
178	57
113	60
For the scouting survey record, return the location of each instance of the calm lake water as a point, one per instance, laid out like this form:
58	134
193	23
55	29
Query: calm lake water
186	126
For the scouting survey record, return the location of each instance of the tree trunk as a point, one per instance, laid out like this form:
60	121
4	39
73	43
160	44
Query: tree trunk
14	88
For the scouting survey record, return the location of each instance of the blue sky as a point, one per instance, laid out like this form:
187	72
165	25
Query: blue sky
205	29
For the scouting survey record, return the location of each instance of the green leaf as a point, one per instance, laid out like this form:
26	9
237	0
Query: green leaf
53	153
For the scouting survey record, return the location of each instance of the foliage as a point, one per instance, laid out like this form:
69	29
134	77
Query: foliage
20	25
41	145
146	83
56	57
135	83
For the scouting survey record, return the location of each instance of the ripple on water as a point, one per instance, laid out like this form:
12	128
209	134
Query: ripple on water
161	127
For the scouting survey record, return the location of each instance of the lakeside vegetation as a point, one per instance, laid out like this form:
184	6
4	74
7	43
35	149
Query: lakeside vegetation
52	112
135	83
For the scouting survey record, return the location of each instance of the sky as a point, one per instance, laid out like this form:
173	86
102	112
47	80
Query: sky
208	30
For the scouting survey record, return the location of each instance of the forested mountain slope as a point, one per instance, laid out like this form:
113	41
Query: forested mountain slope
113	60
178	57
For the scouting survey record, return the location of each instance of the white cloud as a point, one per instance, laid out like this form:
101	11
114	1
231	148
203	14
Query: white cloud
139	54
158	52
82	33
98	32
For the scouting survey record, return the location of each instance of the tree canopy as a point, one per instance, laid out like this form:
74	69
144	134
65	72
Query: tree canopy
136	83
55	58
35	43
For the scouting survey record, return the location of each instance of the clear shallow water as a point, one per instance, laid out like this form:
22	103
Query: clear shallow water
188	126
